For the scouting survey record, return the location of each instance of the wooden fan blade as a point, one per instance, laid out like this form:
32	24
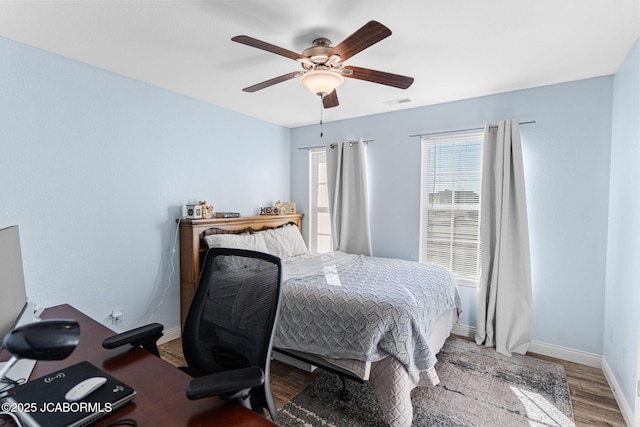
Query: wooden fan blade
271	82
331	100
370	33
250	41
389	79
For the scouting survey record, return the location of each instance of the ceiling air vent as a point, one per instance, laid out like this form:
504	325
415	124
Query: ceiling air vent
397	101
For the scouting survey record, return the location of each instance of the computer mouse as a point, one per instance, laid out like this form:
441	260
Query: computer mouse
84	388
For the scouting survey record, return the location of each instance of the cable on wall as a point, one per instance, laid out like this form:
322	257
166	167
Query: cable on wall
168	286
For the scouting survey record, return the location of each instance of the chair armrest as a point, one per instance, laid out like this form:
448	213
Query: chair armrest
145	336
225	383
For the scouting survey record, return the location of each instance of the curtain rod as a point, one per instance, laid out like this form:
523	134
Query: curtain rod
463	130
355	141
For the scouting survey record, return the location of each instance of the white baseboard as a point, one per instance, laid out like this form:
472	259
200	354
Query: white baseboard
627	411
464	330
564	353
545	349
170	335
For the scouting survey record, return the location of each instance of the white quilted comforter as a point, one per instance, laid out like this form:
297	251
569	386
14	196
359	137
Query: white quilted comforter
344	306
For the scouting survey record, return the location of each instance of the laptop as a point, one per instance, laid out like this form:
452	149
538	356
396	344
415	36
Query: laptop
41	402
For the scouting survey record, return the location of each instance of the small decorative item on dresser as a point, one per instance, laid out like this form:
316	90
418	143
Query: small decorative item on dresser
272	210
207	210
288	208
194	211
269	210
227	214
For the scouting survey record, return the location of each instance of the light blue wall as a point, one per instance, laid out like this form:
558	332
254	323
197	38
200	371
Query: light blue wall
622	312
95	168
566	156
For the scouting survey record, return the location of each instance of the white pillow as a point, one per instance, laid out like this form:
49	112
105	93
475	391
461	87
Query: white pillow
284	242
254	242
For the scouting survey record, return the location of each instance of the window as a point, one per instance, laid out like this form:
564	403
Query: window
319	222
450	204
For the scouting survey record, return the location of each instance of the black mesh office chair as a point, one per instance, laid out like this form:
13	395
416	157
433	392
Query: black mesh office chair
228	333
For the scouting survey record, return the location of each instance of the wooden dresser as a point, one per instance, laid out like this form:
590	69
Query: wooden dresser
193	247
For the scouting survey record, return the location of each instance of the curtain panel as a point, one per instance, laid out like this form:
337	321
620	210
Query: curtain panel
504	307
349	197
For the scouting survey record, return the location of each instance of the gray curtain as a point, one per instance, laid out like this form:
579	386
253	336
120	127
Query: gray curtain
348	197
504	308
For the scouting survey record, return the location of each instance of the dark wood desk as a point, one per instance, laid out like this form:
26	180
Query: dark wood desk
161	399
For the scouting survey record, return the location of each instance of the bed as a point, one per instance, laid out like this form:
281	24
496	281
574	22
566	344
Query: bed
375	319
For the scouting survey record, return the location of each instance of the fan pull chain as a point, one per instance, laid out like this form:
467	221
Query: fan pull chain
321	116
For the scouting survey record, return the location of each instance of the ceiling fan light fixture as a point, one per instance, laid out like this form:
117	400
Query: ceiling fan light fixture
321	82
323	70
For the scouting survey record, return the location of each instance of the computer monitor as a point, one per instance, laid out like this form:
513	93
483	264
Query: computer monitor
13	294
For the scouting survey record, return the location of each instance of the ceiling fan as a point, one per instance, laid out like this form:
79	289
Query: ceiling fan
322	64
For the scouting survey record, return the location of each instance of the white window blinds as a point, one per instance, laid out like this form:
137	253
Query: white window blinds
319	221
450	204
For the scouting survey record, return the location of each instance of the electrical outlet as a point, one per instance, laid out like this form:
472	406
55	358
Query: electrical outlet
116	316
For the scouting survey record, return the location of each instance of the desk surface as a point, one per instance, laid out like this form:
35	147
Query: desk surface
161	398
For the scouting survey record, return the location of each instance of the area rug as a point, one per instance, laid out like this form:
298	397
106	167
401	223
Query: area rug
478	387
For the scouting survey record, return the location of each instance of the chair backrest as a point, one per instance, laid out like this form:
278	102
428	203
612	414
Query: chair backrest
232	318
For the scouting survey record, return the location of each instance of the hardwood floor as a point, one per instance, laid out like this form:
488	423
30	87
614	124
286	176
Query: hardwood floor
592	399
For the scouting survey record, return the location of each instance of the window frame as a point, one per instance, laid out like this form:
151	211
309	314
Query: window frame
453	207
314	209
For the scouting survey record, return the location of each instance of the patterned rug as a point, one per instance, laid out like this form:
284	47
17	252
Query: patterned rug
478	387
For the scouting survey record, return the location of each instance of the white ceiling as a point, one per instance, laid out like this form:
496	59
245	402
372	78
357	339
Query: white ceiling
455	49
